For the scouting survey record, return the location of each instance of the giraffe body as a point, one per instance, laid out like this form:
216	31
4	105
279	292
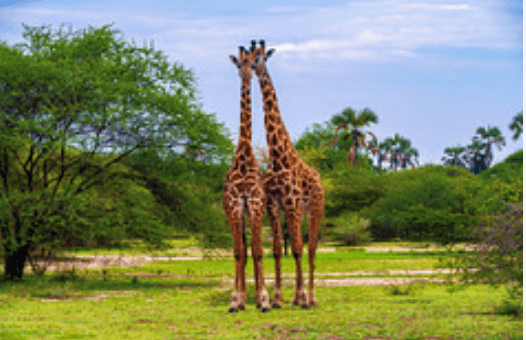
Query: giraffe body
289	184
243	193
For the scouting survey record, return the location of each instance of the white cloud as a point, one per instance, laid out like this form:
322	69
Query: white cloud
379	30
374	31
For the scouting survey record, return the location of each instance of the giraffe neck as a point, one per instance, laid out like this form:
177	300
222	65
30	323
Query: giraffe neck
281	150
245	126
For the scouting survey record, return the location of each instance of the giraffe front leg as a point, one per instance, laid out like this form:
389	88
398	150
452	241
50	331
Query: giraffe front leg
236	298
238	295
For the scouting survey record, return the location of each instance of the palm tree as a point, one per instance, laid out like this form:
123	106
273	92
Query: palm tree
454	153
407	152
349	119
474	157
394	157
402	153
491	136
516	125
479	154
382	149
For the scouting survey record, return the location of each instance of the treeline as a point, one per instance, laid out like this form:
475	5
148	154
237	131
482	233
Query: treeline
368	199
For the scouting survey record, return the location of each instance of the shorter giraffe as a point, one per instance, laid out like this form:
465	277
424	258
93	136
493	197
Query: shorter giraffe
243	192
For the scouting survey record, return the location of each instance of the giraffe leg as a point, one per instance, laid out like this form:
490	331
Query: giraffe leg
294	222
243	265
238	299
273	213
262	300
314	222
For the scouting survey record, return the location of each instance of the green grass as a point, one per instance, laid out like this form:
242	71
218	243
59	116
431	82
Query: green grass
197	309
189	300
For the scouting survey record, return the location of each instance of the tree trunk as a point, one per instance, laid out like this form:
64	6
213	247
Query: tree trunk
15	262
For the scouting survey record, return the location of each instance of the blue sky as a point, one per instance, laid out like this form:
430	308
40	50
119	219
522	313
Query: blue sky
433	71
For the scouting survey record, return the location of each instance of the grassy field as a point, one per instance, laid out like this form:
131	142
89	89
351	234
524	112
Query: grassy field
189	300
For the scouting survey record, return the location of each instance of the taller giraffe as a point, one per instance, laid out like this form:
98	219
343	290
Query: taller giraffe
243	192
290	184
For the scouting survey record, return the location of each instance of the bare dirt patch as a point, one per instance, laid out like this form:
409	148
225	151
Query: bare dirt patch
349	282
356	278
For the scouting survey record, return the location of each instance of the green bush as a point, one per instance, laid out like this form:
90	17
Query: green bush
507	171
350	230
425	204
352	189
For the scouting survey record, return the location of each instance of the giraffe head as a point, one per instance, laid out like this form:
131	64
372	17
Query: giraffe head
244	62
261	57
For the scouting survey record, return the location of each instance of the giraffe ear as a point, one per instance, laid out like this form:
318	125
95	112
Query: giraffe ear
269	53
234	60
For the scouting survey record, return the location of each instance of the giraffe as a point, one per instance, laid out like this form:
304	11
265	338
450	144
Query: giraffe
243	192
290	184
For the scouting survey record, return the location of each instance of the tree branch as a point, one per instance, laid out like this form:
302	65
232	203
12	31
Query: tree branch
86	185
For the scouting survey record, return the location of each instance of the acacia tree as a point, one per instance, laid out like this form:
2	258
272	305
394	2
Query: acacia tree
74	104
349	119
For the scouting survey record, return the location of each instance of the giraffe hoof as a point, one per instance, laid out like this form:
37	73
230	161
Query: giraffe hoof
232	310
305	306
265	310
276	305
295	303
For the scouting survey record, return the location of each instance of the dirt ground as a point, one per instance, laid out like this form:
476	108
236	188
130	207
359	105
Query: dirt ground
324	279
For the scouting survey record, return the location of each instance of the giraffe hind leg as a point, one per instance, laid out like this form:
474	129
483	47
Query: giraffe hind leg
256	223
294	222
273	209
314	223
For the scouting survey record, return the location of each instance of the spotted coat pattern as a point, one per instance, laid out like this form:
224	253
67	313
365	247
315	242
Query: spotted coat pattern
289	184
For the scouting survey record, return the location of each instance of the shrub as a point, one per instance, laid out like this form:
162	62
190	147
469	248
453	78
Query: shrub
352	189
428	203
351	230
498	256
507	170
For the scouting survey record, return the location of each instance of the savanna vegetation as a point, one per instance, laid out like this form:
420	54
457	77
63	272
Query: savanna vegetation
105	149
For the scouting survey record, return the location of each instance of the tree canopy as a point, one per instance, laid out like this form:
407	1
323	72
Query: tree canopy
73	105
